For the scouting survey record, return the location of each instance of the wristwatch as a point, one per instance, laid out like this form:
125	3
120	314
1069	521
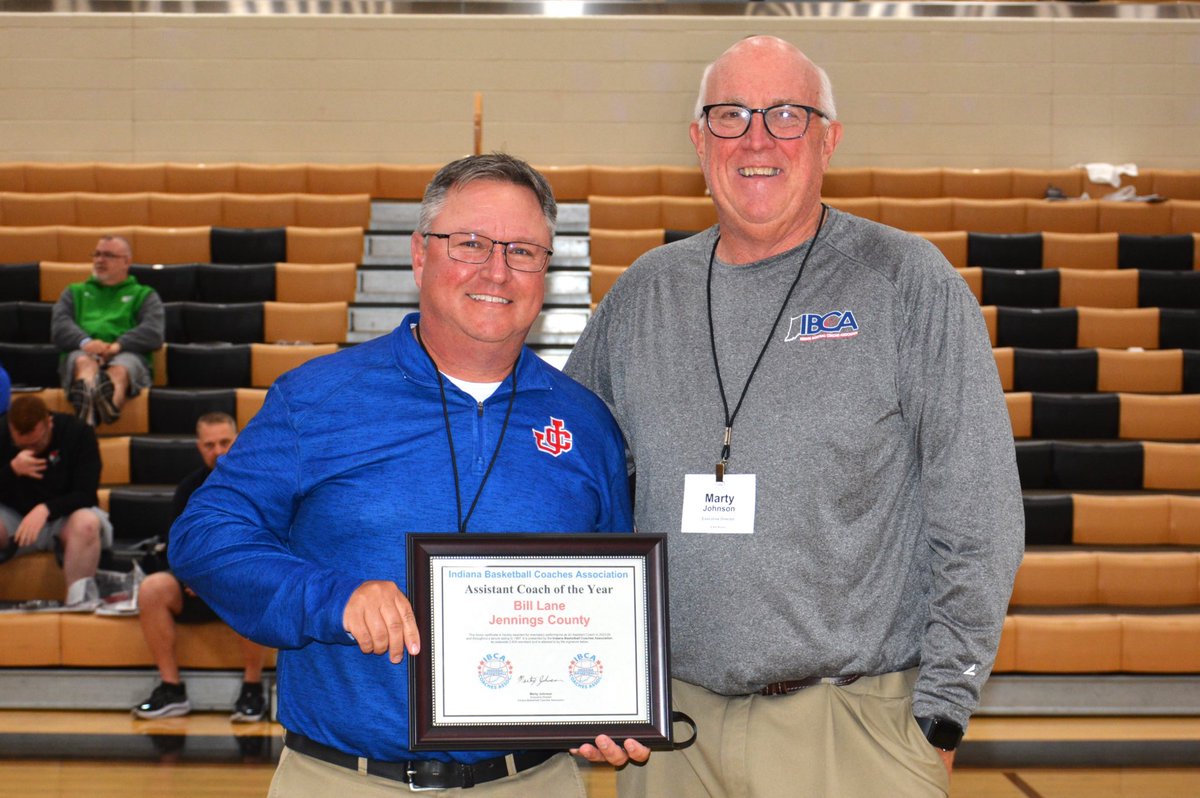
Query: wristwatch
941	733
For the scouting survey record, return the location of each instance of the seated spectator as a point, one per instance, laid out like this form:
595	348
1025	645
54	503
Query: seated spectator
164	601
107	326
48	494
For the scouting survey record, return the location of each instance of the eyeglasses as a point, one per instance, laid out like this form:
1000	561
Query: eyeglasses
101	254
520	256
787	121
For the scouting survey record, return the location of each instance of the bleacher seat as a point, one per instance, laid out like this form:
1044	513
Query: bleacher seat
989	215
1038	288
1037	328
925	215
310	282
1064	250
602	279
268	361
218	322
162	460
1168	289
238	245
1103	289
174	283
1004	251
249	402
1116	466
977	183
623	247
19	281
625	213
1128	416
309	322
207	365
138	513
114	457
1100	328
908	183
1156	252
341	178
185	210
174	411
624	181
324	245
134	420
235	282
25	322
30	365
130	177
258	211
1153	219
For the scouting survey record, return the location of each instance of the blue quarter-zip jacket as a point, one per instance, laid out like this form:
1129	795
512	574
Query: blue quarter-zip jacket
347	456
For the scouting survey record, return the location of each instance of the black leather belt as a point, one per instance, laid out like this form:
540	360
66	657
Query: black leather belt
784	688
432	774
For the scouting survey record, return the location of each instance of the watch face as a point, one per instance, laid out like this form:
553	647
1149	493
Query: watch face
941	733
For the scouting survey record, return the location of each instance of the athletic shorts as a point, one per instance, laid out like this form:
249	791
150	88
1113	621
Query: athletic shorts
139	372
45	541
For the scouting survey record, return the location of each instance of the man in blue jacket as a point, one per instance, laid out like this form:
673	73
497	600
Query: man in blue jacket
298	538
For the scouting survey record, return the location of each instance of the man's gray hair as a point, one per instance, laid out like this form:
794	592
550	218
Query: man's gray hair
496	166
124	241
825	102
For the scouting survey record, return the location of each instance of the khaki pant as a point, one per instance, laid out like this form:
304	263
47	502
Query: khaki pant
856	741
300	776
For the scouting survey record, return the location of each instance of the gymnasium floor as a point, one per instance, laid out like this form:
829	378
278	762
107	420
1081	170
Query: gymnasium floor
110	755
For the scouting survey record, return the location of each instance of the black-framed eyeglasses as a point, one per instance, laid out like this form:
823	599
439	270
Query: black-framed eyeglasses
786	121
520	256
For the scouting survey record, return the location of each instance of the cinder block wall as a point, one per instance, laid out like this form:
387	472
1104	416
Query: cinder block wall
1035	93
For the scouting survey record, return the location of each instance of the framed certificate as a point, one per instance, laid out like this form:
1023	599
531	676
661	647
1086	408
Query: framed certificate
538	640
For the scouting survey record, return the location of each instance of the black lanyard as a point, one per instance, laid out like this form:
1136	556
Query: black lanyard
712	338
462	522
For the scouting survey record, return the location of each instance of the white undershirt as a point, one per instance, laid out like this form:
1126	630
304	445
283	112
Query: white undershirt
477	390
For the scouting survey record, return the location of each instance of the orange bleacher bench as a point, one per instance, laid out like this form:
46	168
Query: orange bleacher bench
166	245
945	214
30	640
1099	643
157	209
379	180
1000	183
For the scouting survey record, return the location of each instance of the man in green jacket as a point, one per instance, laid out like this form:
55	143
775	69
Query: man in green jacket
107	326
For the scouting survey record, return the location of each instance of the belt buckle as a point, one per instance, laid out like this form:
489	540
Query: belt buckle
411	773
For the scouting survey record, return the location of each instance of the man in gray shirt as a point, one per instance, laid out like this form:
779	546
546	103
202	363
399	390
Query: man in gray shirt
816	421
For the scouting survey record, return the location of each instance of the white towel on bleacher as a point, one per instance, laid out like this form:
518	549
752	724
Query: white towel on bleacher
1108	172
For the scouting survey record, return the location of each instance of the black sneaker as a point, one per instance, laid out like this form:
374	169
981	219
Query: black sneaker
79	394
251	704
167	701
105	407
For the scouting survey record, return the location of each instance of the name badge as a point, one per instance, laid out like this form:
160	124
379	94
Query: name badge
718	508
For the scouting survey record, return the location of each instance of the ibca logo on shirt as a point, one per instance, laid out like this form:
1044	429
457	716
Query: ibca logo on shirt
813	326
554	439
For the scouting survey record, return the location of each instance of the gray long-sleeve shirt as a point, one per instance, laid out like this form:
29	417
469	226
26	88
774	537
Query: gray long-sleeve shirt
143	339
889	521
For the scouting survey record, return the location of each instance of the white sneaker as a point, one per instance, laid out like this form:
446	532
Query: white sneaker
83	596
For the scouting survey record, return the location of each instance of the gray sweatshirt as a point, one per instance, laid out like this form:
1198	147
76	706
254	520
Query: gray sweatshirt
889	520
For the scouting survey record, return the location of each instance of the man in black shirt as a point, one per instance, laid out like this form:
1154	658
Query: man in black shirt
51	469
164	601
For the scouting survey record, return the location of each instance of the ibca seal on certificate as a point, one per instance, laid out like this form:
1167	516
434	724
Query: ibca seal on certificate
495	671
585	670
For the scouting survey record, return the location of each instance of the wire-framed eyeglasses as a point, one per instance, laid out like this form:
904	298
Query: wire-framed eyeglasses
786	121
520	256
